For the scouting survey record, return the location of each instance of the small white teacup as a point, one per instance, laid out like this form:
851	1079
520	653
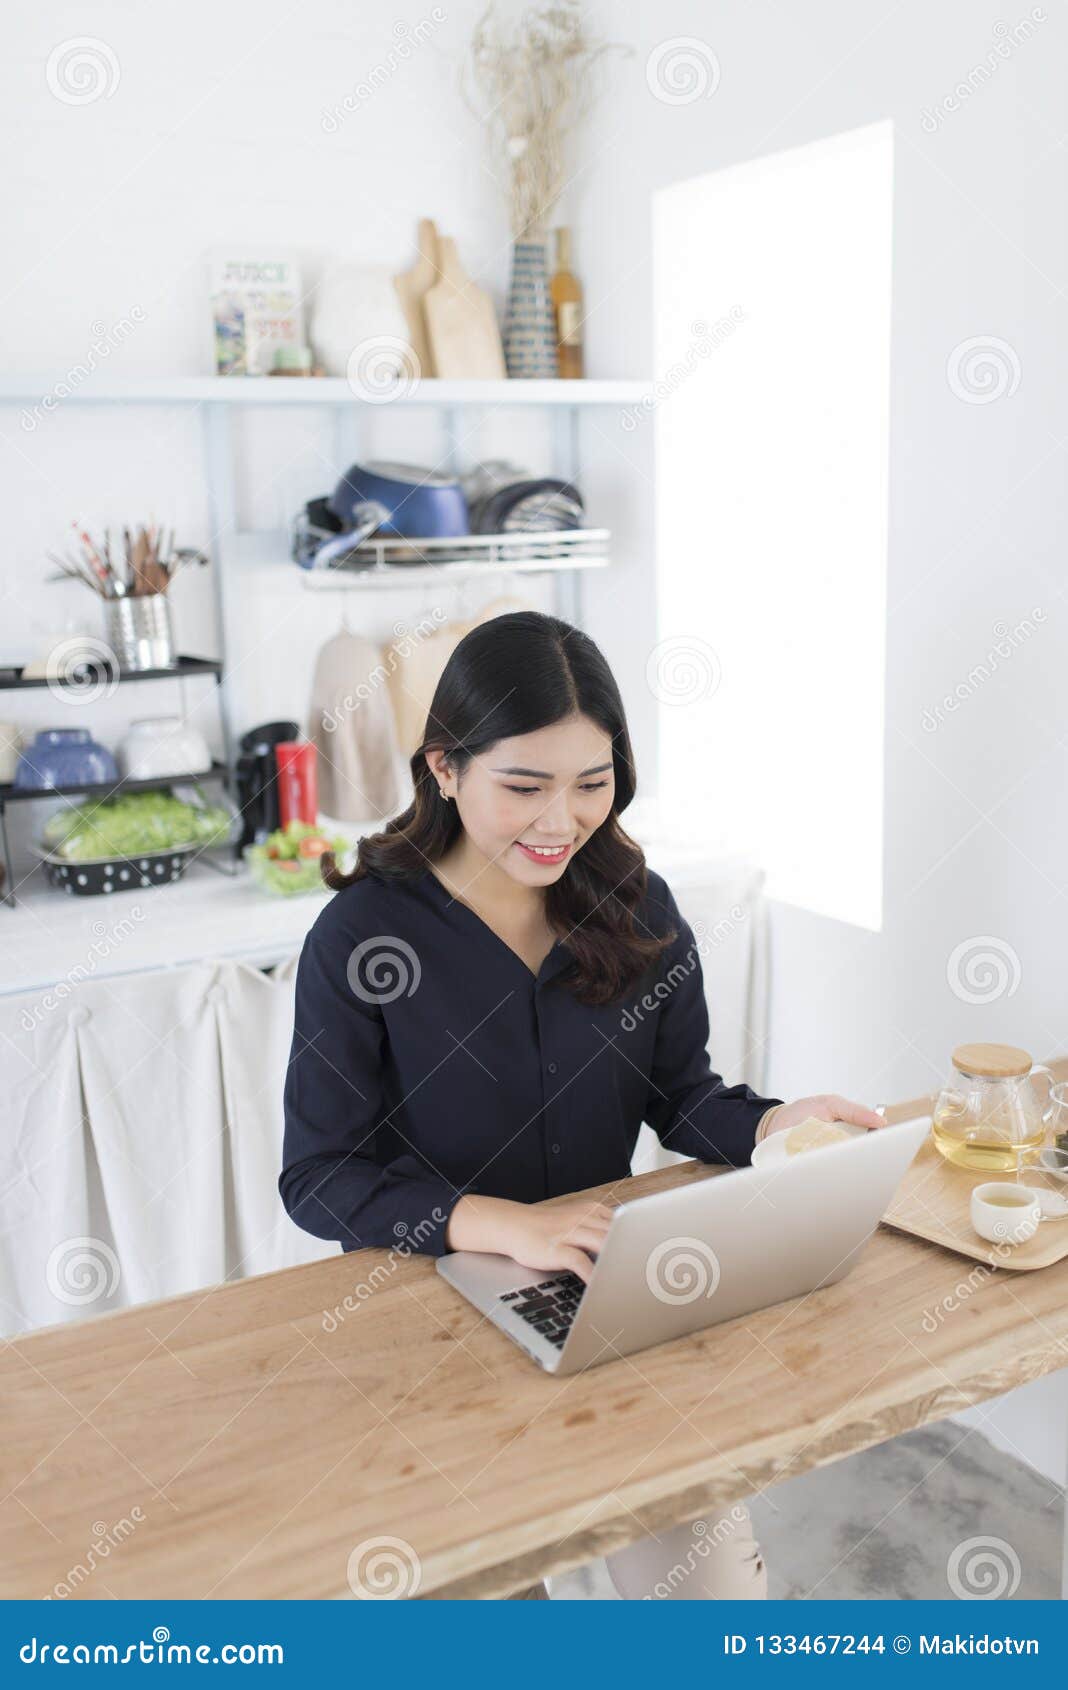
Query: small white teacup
1004	1213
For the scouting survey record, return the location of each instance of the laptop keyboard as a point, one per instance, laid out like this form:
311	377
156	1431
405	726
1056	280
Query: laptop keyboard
549	1305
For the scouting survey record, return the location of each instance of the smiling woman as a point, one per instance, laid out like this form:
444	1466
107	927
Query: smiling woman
463	1046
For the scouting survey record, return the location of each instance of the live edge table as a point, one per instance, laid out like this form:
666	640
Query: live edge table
261	1438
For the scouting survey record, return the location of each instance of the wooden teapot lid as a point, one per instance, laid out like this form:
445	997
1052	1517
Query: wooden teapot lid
992	1062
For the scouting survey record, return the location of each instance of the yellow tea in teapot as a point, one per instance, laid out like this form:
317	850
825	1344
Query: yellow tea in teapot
986	1144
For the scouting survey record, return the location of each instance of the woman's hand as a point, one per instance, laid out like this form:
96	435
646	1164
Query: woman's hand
828	1106
563	1238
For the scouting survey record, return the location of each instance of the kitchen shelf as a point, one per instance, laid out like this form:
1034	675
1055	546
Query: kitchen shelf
220	403
11	679
482	555
110	788
316	390
10	794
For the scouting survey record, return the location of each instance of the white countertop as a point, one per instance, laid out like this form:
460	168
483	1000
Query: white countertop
49	937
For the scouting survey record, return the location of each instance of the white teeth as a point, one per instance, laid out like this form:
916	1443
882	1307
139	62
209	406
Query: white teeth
544	850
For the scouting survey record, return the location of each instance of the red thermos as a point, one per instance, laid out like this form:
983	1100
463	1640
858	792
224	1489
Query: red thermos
298	781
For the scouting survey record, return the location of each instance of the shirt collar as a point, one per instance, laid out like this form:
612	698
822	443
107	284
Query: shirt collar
554	962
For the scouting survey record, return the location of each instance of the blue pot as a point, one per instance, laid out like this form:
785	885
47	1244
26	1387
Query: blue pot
419	504
64	757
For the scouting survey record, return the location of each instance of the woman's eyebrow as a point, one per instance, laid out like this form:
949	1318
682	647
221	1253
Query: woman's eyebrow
543	774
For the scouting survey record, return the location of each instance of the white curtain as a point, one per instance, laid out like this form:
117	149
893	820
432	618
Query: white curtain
141	1139
141	1118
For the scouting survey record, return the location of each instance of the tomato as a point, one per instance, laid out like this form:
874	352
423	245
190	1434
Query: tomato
313	846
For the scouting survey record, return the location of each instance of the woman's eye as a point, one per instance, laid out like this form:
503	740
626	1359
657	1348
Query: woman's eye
589	786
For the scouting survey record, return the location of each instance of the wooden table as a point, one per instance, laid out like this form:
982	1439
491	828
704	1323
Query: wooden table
261	1445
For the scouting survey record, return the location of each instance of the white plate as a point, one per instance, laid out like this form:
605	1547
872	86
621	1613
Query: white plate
773	1149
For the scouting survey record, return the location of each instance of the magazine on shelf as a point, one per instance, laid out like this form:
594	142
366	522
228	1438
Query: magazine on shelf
256	308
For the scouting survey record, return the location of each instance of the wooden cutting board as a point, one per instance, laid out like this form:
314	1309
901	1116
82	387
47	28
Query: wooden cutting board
933	1202
465	341
412	288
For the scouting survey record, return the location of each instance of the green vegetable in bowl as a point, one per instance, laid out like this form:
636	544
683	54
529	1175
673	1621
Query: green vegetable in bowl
288	862
132	824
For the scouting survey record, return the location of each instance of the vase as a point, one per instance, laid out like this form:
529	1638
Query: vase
529	327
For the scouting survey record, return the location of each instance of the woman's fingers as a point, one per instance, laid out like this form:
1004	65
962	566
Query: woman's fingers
586	1238
857	1114
576	1261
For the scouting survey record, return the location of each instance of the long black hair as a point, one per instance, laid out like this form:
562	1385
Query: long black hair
512	675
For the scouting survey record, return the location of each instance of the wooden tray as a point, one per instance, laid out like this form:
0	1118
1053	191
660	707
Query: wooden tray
933	1202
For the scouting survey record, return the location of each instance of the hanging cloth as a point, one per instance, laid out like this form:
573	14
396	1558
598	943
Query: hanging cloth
352	725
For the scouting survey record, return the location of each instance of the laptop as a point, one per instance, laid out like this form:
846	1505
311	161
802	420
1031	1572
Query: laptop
677	1261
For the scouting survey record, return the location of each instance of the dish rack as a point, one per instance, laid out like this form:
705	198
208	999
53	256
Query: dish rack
382	556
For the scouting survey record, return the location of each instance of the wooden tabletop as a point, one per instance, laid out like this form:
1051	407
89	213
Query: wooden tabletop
233	1443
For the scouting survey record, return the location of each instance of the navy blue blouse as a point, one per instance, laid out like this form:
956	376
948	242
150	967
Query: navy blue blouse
428	1061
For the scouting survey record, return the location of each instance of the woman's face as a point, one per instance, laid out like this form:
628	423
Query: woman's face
529	803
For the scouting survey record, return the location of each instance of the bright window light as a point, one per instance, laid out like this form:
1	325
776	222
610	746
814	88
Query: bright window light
772	426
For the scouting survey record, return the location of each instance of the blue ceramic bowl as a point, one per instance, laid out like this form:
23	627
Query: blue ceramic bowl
420	504
64	757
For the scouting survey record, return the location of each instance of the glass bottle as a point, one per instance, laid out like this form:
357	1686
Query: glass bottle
566	291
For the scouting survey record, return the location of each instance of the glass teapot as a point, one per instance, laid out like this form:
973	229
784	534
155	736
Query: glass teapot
990	1116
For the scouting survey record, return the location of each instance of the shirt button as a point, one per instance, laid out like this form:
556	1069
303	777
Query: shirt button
552	1067
556	1150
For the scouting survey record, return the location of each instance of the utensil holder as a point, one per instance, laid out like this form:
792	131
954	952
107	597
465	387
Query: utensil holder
140	633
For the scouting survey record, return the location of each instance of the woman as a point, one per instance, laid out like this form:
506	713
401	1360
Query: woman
499	995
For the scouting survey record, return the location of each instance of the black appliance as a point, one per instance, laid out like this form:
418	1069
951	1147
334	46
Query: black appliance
256	778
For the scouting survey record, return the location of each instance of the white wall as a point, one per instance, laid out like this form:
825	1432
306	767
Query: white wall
977	806
214	132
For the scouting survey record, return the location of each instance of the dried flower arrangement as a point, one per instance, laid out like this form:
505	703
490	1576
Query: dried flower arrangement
538	85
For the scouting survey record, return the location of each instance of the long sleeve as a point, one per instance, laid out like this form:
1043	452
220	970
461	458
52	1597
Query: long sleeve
333	1183
688	1106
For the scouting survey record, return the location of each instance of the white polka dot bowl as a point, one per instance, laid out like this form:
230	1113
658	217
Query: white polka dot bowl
115	874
